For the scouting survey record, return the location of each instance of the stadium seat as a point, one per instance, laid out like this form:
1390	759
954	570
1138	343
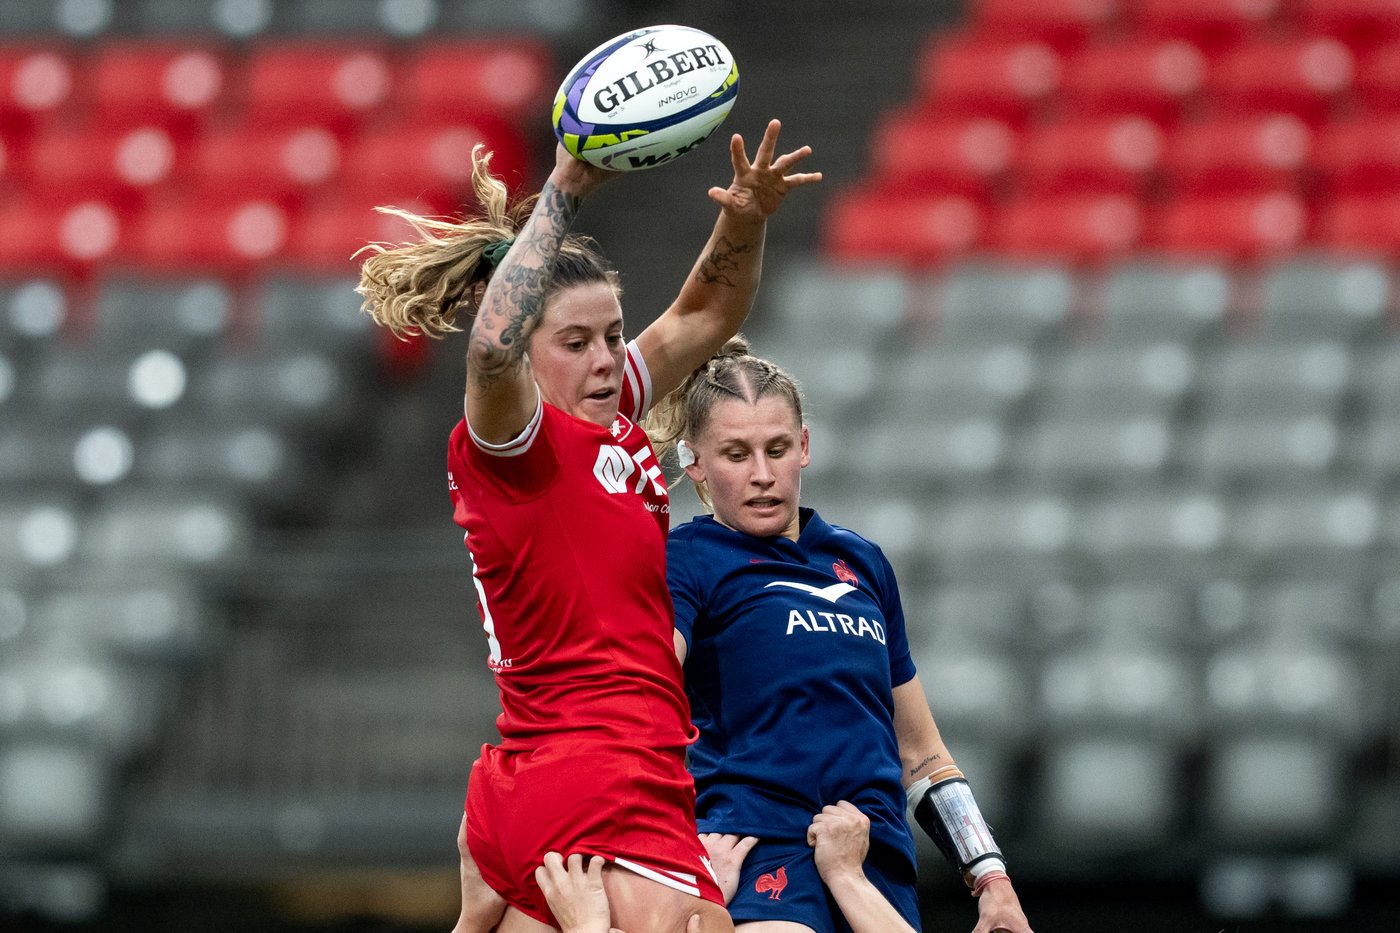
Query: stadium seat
979	692
1378	373
1154	78
1210	22
1148	536
34	314
119	165
1377	456
1003	532
1061	22
1248	153
504	78
1148	300
1078	449
1239	226
340	86
1073	227
1359	23
816	307
37	85
1283	378
1361	225
55	794
1127	688
136	617
918	453
958	382
1310	612
916	152
167	528
955	615
197	234
1277	449
327	232
1321	531
432	159
1378	77
38	530
1114	154
284	163
1306	76
1281	682
177	87
301	389
1323	297
1110	794
995	302
1117	382
980	77
870	225
189	318
1135	614
1360	155
266	465
1274	788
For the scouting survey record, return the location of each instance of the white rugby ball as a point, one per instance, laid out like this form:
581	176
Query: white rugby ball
645	98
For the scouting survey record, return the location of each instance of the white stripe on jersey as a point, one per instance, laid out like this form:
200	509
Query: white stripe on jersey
677	880
521	442
639	381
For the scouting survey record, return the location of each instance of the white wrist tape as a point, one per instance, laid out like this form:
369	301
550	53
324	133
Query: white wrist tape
949	814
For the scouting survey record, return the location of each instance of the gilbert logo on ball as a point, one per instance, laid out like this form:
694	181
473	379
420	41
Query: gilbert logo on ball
645	98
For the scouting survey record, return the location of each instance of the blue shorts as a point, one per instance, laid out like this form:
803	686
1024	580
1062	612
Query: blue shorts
780	882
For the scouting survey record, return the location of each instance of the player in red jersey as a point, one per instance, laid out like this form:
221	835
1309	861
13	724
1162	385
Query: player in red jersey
565	512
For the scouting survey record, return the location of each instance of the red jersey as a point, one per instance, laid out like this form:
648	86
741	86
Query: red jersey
566	528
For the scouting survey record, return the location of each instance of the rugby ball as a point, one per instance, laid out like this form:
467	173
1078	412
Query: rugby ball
645	98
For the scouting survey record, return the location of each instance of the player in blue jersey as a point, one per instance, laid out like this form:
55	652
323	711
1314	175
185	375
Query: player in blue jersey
798	669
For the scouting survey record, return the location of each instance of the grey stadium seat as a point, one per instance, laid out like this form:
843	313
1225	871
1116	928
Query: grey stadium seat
1109	794
1340	299
164	528
818	307
986	303
1147	302
1274	788
1116	451
291	314
1276	378
1277	449
184	318
1113	381
939	383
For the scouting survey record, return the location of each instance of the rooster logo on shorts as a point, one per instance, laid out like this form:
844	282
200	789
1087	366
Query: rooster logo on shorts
772	883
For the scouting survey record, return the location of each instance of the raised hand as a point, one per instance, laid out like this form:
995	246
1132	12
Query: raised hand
727	853
759	186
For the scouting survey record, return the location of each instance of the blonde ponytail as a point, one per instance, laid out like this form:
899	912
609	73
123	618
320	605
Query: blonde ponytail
420	287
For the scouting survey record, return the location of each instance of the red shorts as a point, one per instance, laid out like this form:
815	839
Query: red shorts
633	806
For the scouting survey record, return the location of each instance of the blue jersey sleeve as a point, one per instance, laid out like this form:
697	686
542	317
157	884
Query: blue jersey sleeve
902	668
685	592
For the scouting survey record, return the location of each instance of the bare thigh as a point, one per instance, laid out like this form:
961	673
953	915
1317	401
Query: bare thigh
773	926
640	905
516	922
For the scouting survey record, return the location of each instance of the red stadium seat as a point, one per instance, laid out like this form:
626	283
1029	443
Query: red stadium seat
512	79
194	233
1303	76
1248	153
276	162
895	227
108	162
337	86
1378	77
1359	23
1365	224
433	160
987	78
1080	227
173	86
1106	154
67	236
329	232
920	152
1361	155
1238	226
1213	23
1062	22
36	83
1153	77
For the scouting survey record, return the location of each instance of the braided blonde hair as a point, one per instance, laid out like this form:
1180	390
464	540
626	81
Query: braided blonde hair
420	287
732	373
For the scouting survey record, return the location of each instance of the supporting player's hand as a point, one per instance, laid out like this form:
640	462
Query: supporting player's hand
999	910
482	907
758	186
840	834
575	894
727	853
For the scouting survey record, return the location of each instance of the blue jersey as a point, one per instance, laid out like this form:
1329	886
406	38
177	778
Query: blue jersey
794	648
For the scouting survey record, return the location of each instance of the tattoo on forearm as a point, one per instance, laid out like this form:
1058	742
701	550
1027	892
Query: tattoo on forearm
923	764
715	269
516	298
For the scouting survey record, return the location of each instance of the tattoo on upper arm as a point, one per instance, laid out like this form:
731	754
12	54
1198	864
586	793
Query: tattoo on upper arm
923	764
515	300
722	261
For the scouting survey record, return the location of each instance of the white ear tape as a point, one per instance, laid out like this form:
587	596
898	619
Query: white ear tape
684	455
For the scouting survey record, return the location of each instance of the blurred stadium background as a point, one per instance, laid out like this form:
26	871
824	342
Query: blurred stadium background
1096	313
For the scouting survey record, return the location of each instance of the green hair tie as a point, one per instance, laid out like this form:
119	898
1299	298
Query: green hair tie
495	252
